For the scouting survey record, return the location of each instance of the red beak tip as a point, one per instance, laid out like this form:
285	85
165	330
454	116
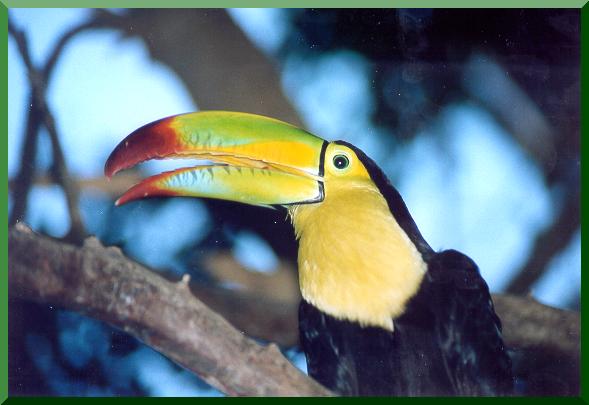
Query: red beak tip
109	171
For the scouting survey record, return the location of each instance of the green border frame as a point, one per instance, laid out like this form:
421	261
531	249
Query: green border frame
584	244
4	202
6	4
302	3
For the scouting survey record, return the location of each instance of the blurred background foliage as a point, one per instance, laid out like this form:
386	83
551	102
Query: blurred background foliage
473	114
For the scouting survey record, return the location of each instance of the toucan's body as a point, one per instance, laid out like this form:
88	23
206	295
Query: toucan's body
382	313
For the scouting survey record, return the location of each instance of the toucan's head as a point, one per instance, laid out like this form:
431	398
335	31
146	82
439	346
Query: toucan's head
360	255
256	160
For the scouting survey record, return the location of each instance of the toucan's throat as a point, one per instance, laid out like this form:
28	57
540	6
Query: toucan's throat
355	261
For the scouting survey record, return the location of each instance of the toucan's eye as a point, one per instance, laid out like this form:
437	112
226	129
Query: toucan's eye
341	161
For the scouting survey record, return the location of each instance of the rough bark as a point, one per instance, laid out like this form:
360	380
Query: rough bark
545	345
102	283
528	323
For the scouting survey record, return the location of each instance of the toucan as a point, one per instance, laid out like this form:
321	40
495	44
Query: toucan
382	313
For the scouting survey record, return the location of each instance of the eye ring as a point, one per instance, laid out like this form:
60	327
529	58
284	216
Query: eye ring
341	162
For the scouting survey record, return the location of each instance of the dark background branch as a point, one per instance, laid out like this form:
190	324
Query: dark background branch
40	114
548	244
25	175
221	68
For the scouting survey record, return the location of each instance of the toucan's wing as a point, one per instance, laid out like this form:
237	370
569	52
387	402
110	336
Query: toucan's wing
325	341
467	328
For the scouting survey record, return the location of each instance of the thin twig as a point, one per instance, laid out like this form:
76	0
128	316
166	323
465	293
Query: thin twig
114	187
70	187
61	44
24	178
39	113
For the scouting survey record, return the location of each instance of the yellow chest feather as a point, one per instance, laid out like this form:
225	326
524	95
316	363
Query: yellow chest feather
355	261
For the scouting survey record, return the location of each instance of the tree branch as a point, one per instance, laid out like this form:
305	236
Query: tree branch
104	284
529	324
545	344
259	317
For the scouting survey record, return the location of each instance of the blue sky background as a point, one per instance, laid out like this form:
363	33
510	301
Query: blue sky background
467	183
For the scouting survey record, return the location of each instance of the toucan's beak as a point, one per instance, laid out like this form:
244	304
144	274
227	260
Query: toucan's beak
256	160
